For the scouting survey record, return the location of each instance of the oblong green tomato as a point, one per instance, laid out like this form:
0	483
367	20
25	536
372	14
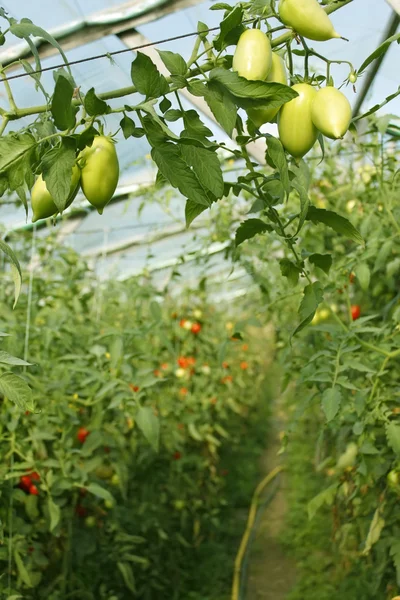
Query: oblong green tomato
277	74
297	132
42	202
100	172
331	112
253	55
307	18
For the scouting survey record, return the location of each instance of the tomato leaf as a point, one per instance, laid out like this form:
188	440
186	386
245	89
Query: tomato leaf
61	105
363	275
94	105
375	530
54	513
325	497
193	210
336	222
15	269
331	400
393	436
57	171
276	153
22	570
382	49
100	492
232	23
207	167
221	105
395	554
17	390
322	261
149	425
248	229
146	77
313	295
8	359
127	574
290	271
174	62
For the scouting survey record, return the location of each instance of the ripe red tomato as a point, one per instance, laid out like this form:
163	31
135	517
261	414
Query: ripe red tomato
177	455
196	328
35	476
355	312
244	365
134	388
82	434
25	482
33	490
183	391
183	362
191	361
80	511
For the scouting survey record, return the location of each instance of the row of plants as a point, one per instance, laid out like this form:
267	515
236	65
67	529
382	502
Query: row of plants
121	479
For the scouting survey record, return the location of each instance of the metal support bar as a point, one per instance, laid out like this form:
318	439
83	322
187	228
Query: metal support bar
376	65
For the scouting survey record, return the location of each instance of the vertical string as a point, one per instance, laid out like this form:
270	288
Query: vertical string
10	522
30	286
102	265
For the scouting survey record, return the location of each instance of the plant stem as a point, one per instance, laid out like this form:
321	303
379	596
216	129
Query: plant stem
4	124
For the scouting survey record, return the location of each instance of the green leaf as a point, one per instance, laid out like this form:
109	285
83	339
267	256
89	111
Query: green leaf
289	270
127	574
202	30
322	261
276	153
15	269
54	512
94	105
325	497
149	425
304	204
57	171
8	359
17	390
378	52
336	222
175	64
13	150
395	554
276	93
169	160
393	436
221	6
146	77
248	229
100	492
22	570
155	310
194	126
173	115
193	210
313	295
129	128
331	400
61	105
375	530
221	105
363	275
232	21
205	164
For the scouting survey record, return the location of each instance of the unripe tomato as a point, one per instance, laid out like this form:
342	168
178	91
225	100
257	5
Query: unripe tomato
25	482
90	521
277	74
297	132
353	77
82	434
100	172
115	479
43	205
253	55
393	479
348	458
331	112
307	18
109	504
104	472
355	312
33	490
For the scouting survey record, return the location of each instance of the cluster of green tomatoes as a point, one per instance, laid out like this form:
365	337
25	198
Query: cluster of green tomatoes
96	171
313	111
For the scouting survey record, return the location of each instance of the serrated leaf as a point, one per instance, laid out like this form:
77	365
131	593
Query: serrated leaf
325	497
331	400
336	222
17	390
149	425
22	570
127	574
205	163
8	359
232	21
375	530
363	275
100	492
15	269
25	28
174	62
313	295
248	229
221	105
94	105
57	171
393	436
277	155
395	554
54	512
61	105
193	210
146	77
322	261
378	52
290	271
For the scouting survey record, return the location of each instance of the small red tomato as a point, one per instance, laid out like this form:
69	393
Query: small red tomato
227	379
177	455
33	490
35	476
352	277
165	366
213	401
245	347
31	549
224	472
27	412
191	361
80	511
82	434
25	482
183	362
244	365
225	365
182	323
183	391
196	328
134	388
157	373
355	312
181	426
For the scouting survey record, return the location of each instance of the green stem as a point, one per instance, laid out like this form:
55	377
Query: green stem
381	370
4	124
194	55
10	96
360	341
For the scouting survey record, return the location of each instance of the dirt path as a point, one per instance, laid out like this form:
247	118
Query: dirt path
271	574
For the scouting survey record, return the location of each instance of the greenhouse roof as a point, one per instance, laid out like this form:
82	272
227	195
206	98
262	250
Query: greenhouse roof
128	239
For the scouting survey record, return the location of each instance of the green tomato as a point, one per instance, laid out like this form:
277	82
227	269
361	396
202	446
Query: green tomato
90	521
348	458
393	480
297	132
253	55
179	504
353	77
277	74
100	172
104	472
331	113
307	18
109	504
43	205
115	479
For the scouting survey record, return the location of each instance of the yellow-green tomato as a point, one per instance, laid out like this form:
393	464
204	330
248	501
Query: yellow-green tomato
297	132
42	202
253	55
331	112
277	74
100	172
348	458
307	18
